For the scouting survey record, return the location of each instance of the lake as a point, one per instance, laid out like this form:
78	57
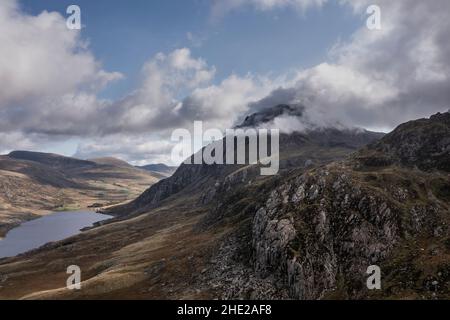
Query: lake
55	227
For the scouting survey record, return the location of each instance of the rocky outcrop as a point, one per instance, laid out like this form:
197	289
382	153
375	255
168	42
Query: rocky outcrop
320	229
423	143
317	225
328	225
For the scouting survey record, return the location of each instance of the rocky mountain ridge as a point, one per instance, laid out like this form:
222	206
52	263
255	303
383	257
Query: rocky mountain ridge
213	231
298	149
319	231
423	143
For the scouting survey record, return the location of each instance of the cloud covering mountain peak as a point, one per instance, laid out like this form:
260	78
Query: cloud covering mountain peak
375	80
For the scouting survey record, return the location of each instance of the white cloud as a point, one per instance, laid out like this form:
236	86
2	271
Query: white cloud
175	91
136	149
49	81
155	104
221	105
381	78
144	125
14	141
40	58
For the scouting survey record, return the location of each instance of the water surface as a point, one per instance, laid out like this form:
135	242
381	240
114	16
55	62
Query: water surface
55	227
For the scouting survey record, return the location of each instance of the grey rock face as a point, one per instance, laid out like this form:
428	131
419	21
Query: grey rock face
422	143
269	114
323	226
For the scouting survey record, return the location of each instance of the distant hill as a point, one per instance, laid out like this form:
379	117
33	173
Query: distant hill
111	161
38	172
52	160
160	168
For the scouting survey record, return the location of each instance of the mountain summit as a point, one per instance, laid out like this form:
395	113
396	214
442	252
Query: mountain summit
297	150
269	114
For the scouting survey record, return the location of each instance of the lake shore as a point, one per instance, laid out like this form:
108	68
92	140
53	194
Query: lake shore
49	228
20	218
13	218
4	229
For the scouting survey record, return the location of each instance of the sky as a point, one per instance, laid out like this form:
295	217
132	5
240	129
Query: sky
137	70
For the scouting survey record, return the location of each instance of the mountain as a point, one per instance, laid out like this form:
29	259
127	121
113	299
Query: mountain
387	205
111	161
297	150
160	168
51	160
269	114
423	143
311	232
34	184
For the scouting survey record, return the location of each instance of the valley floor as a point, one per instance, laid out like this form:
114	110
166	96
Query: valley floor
120	260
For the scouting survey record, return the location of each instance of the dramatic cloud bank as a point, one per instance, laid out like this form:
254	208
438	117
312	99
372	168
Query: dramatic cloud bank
50	82
48	78
384	77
